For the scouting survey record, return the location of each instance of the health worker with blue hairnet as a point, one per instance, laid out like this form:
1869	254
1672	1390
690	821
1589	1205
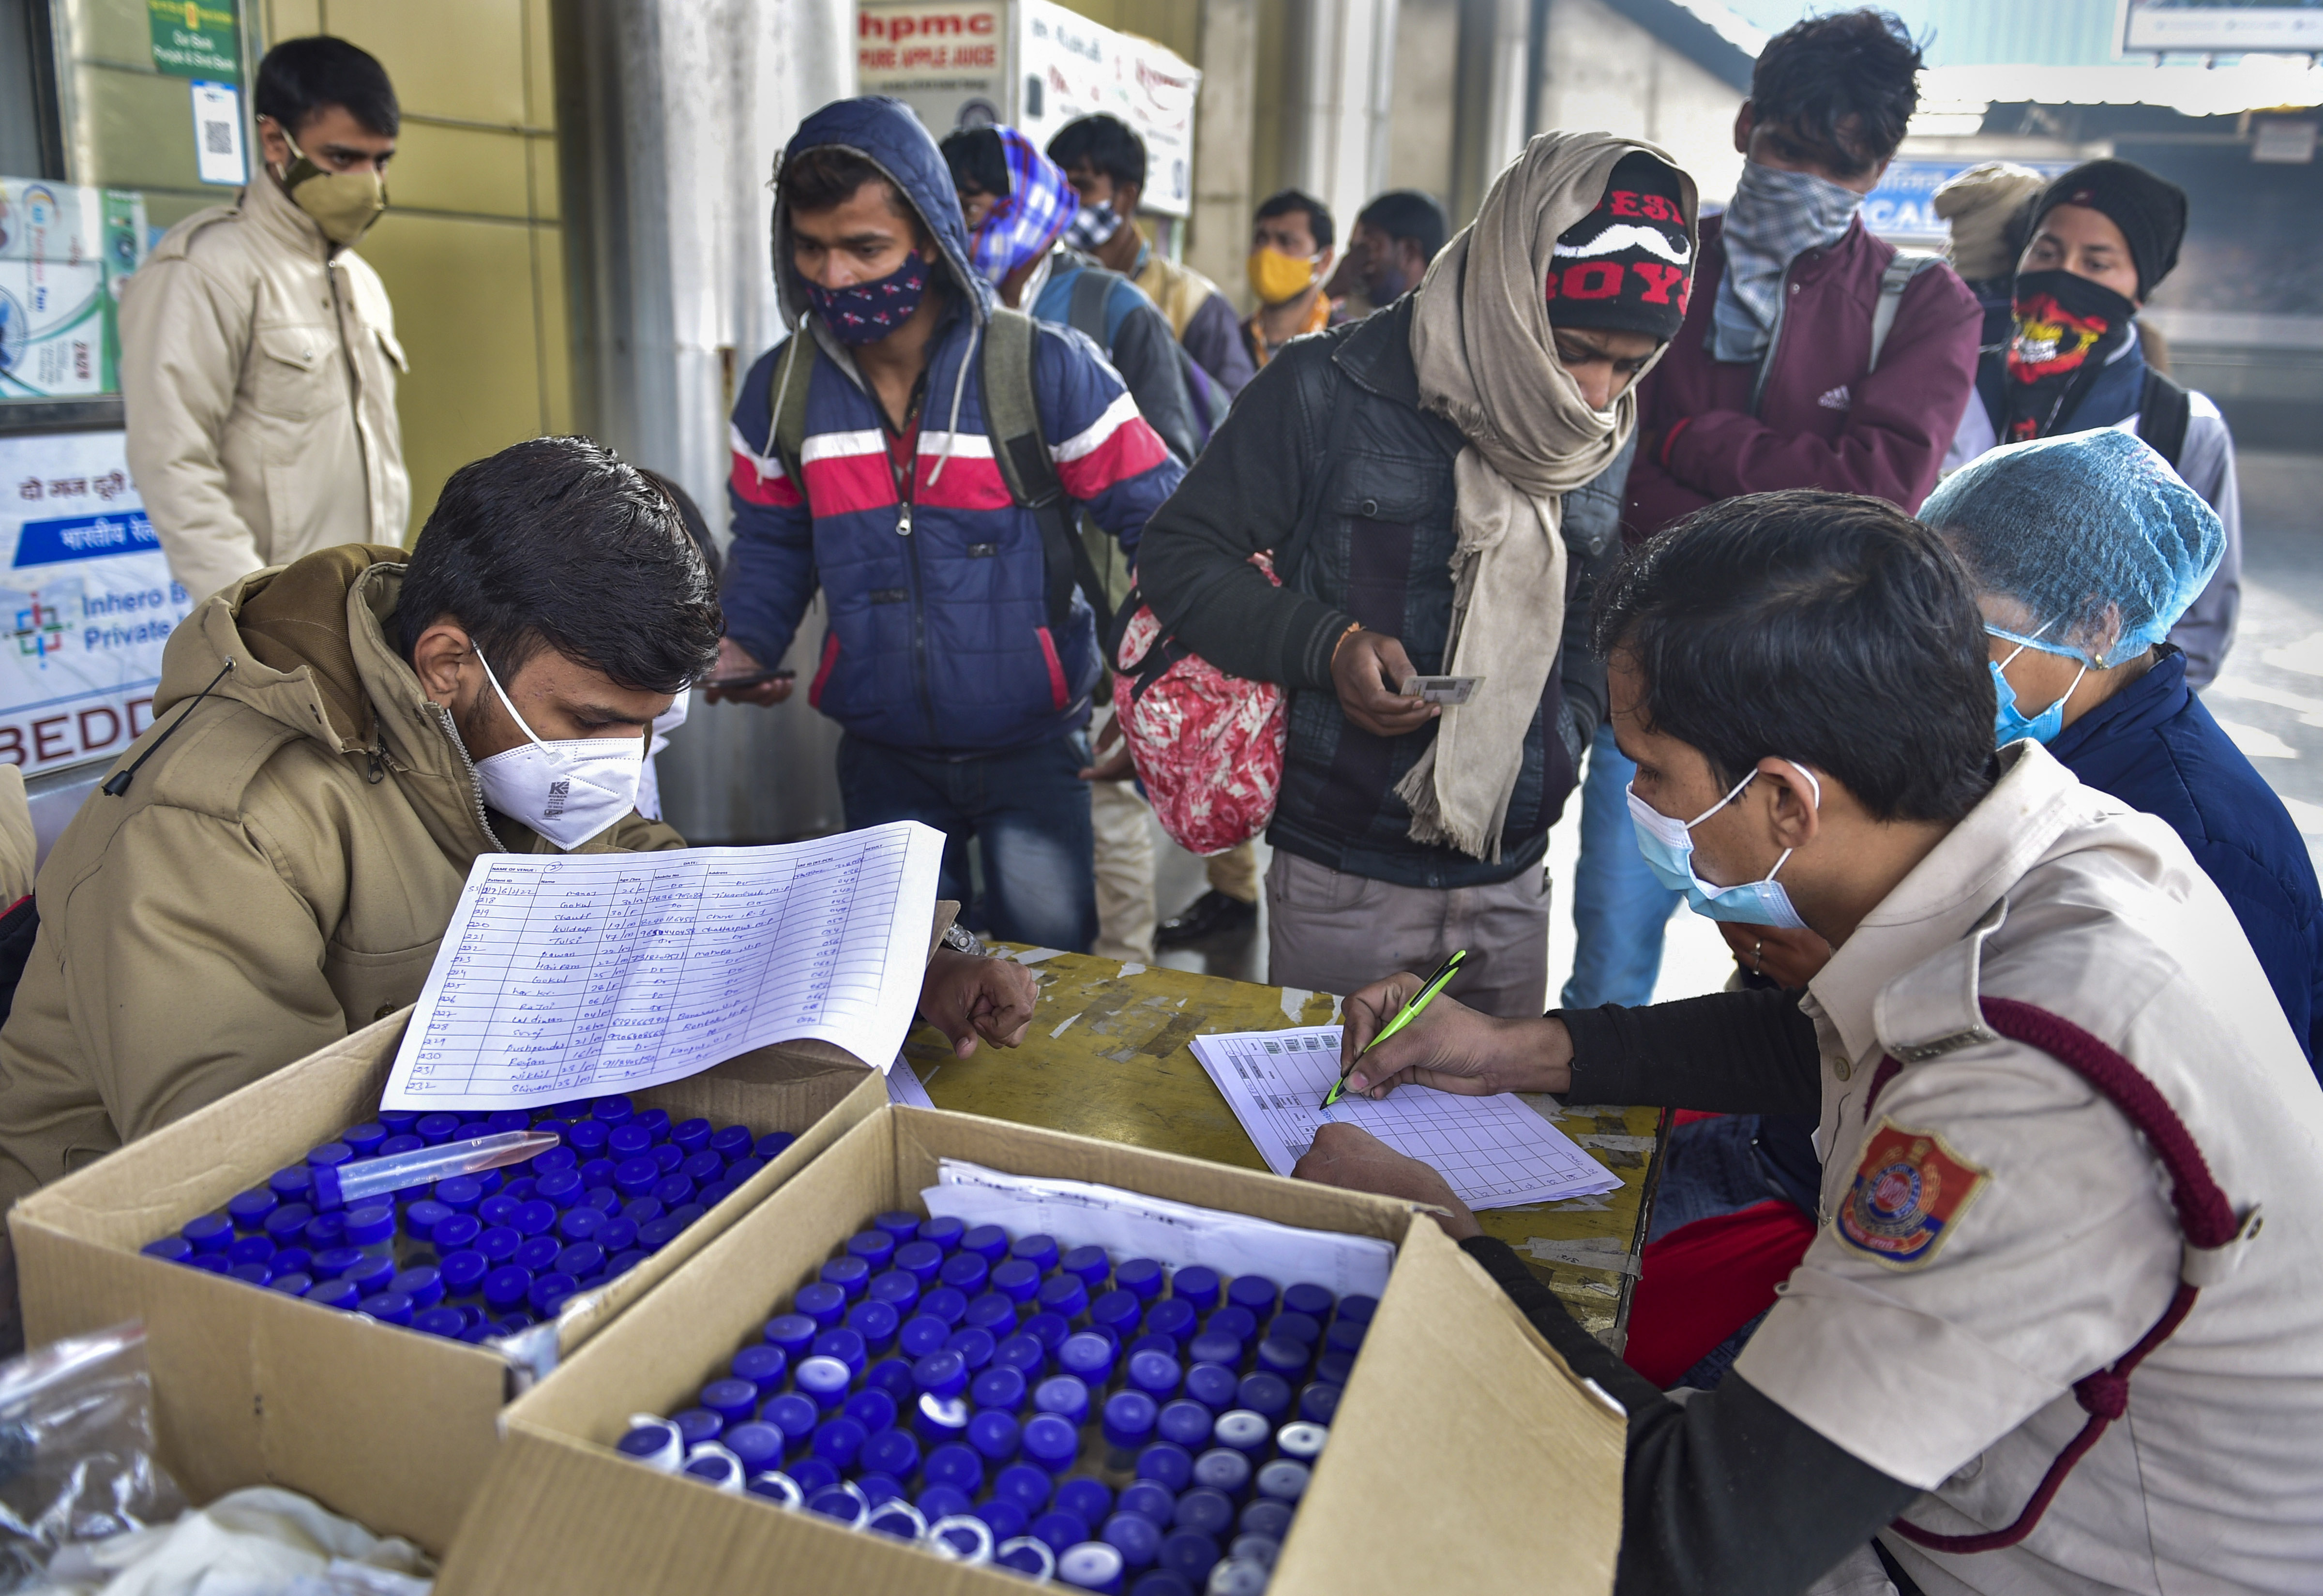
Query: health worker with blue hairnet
2085	551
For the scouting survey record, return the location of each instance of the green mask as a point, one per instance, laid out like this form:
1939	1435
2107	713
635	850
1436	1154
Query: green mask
343	203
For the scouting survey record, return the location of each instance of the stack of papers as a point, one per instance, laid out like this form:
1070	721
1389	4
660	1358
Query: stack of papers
569	975
1495	1151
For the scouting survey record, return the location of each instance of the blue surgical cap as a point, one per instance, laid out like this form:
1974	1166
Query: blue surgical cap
2072	528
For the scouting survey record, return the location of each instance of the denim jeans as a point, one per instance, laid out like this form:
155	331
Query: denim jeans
1029	806
1619	907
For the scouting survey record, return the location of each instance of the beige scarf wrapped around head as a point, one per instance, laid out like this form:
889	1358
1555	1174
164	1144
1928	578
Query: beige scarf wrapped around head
1480	337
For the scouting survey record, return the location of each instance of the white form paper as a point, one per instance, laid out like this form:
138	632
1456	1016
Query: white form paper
572	975
1495	1151
1131	1225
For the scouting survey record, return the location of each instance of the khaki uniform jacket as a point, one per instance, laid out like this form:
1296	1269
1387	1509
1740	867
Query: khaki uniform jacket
278	874
1993	1229
258	372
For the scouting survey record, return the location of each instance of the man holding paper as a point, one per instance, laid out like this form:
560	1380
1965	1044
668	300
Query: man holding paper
2055	1092
1436	483
274	863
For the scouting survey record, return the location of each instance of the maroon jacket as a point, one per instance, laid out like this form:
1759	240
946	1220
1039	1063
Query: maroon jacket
1821	422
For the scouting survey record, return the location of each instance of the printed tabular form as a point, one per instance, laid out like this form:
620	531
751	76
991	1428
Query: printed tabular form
1494	1151
576	974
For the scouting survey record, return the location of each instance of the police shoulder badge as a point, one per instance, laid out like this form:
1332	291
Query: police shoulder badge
1909	1191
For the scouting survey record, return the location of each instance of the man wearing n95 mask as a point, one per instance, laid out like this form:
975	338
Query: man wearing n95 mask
275	861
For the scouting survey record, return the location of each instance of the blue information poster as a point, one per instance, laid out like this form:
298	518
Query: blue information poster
86	602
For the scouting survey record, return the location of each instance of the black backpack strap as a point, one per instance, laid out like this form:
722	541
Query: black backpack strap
786	405
1011	418
1092	291
2163	411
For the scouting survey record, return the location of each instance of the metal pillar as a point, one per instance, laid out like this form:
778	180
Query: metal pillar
673	112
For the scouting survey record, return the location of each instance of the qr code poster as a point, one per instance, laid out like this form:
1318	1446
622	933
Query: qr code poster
217	134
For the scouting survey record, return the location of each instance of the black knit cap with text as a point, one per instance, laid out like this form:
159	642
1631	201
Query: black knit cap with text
1627	265
2150	211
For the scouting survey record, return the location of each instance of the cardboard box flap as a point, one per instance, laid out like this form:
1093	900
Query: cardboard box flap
1470	1425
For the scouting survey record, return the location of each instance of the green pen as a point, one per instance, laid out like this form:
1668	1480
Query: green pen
1404	1016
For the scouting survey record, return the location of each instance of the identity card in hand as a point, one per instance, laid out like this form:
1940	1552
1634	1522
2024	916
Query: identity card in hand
575	975
1495	1151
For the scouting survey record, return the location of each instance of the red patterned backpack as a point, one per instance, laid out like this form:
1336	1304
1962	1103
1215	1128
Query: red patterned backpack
1208	746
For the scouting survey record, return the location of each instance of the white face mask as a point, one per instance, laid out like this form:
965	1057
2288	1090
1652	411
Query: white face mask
569	790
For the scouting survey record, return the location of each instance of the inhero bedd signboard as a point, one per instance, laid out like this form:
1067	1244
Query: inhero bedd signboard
86	602
1036	66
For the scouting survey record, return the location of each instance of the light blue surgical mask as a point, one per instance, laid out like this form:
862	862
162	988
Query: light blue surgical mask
1668	845
2010	724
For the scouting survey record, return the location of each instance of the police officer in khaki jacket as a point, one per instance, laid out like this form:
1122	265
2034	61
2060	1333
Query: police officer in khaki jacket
2040	1341
258	352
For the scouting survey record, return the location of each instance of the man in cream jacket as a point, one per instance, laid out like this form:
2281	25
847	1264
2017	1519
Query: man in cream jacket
258	352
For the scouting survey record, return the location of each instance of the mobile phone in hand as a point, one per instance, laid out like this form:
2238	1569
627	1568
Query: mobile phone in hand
1440	690
750	679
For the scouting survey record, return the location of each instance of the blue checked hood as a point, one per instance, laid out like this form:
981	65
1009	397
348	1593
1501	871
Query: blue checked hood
885	132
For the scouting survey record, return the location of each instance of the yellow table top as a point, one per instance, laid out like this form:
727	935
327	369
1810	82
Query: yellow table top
1107	1056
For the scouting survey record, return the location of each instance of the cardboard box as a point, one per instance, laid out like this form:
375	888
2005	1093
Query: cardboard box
1465	1457
391	1428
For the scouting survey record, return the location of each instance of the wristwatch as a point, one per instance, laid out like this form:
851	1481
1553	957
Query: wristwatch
958	937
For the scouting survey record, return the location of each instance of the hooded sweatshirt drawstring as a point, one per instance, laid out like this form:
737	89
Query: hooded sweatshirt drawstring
959	388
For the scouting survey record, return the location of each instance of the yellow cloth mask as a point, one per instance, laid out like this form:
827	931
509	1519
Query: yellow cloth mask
1276	278
343	203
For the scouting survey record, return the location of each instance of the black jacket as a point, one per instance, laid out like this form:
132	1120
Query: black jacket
1331	429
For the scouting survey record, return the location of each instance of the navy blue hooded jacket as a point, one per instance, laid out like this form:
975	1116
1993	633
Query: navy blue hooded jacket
2155	747
938	639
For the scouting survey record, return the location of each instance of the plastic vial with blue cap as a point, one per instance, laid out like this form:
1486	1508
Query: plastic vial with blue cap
937	1419
1136	1536
819	1300
899	1288
1090	1265
1063	1295
1262	1549
825	1378
996	1434
1017	1278
1284	1479
1212	1385
1281	1356
992	1313
975	1346
653	1442
1174	1318
842	1502
793	1333
941	1501
1223	1470
1266	1517
1233	1320
1198	1285
1038	1250
1051	1441
339	1294
944	1231
920	1335
1205	1508
876	1323
795	1413
1001	1387
292	1183
892	1451
876	1248
1005	1519
1167	1464
956	1464
1027	1485
1088	1356
758	1445
1150	1497
537	1254
1091	1565
287	1223
291	1285
1245	1431
964	1272
1027	1554
1129	1418
1237	1577
1301	1441
1188	1554
1117	1313
1065	1395
873	1408
945	1304
989	1242
812	1474
1187	1422
837	1440
1318	1401
900	1520
847	1345
1021	1352
244	1250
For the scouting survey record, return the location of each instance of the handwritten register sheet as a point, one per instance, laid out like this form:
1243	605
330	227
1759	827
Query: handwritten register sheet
1494	1151
575	975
